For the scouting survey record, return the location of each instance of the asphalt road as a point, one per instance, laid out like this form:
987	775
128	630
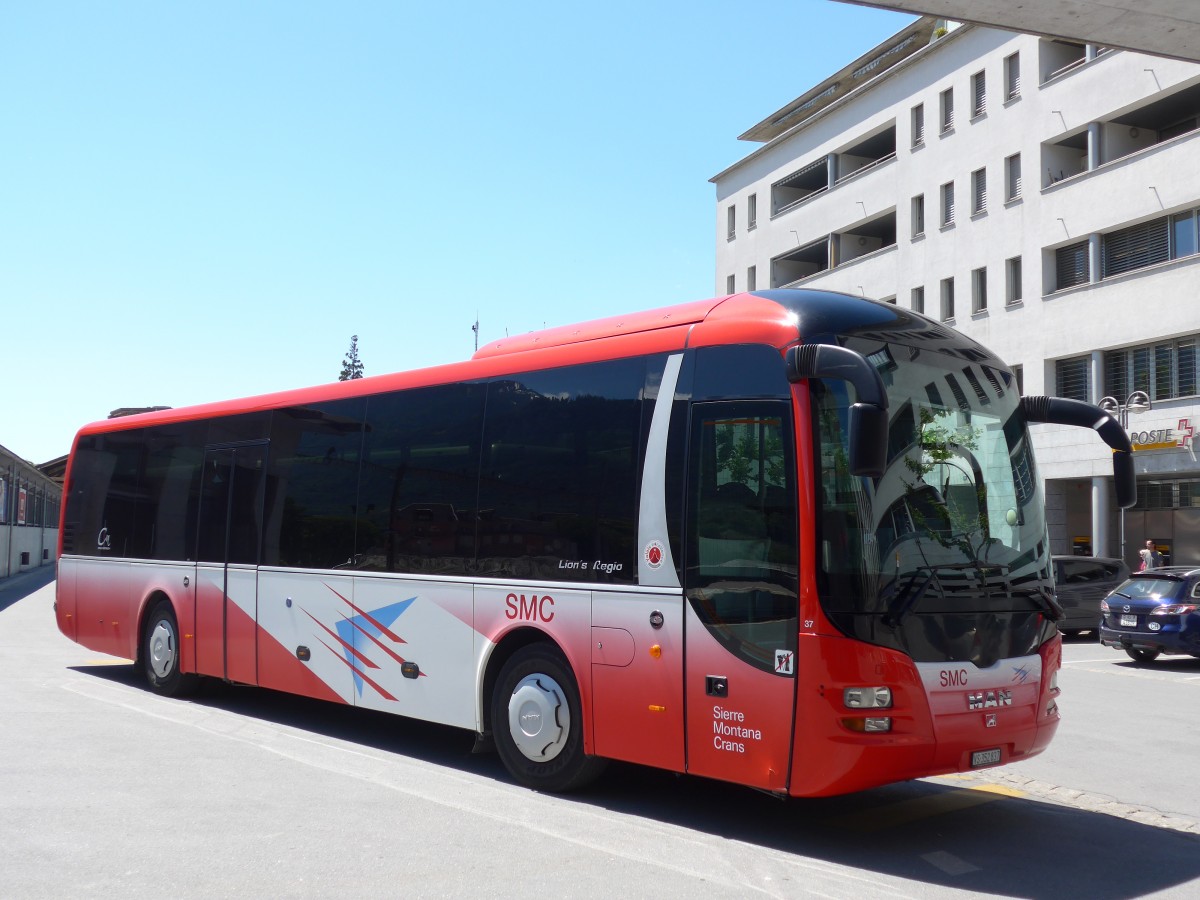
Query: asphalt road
107	790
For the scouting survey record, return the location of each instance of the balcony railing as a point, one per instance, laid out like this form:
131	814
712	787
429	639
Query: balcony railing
787	207
861	169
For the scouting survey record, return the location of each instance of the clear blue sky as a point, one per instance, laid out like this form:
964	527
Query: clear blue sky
201	201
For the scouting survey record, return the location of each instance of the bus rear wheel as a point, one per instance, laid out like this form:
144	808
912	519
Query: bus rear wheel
161	654
538	723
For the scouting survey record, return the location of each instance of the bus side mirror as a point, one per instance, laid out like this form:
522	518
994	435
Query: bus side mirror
868	440
1061	411
868	416
1126	480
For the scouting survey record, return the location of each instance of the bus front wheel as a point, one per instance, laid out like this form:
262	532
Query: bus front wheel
161	653
538	724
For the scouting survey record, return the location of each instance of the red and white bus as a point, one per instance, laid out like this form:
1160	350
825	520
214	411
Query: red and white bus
789	539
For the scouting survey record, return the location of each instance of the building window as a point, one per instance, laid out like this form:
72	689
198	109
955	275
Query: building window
918	215
1164	370
917	299
752	278
1071	378
1136	248
752	212
947	299
729	284
730	222
1012	76
918	125
1071	265
978	191
1183	234
1149	243
1019	374
1012	177
947	109
947	203
1173	494
1013	290
979	290
978	94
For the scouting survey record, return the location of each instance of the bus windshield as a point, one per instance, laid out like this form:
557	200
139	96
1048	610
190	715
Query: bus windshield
955	525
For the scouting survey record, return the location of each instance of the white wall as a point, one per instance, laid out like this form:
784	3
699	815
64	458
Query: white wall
1134	308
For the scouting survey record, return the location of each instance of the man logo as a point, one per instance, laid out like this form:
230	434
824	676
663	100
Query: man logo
989	699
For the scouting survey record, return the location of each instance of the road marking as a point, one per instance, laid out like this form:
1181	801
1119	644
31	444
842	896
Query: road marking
907	811
108	661
1146	672
1041	791
1002	790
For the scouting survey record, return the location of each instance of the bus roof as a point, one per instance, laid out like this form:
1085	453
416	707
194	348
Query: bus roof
737	318
599	329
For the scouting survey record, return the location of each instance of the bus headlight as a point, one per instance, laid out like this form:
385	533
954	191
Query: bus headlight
867	698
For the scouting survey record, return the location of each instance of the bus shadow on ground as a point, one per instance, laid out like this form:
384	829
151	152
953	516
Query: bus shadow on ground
928	832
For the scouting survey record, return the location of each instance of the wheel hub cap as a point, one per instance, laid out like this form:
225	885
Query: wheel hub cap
539	719
162	649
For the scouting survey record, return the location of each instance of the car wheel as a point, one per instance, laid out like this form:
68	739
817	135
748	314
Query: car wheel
1141	656
160	654
538	723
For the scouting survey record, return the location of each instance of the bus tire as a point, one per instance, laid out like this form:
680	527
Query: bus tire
161	654
537	722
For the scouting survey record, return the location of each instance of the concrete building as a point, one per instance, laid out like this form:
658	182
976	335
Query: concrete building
29	507
1041	196
1162	27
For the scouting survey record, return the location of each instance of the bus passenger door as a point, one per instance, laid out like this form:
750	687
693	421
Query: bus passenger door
228	541
740	588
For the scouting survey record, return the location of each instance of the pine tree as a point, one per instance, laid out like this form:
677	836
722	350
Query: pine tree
352	366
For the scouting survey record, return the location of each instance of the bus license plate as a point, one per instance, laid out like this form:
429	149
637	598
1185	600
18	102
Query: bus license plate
985	758
1128	621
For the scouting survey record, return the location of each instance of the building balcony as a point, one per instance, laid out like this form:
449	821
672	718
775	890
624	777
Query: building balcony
834	251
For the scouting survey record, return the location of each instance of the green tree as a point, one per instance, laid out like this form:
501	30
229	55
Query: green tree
352	366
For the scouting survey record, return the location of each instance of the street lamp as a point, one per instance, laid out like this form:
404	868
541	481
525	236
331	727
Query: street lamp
1136	402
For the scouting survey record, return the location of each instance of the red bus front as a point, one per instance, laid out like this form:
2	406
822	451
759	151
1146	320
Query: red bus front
921	636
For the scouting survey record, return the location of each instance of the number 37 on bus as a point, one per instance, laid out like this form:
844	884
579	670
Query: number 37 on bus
790	539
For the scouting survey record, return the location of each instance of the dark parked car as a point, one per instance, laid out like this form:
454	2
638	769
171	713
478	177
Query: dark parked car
1154	612
1080	584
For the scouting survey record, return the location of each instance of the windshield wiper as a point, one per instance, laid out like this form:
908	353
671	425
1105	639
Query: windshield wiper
1043	598
907	597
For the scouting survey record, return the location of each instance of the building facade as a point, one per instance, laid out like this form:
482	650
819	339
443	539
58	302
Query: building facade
29	508
1042	197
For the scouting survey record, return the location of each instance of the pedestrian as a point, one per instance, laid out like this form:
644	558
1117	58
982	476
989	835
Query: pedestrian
1151	558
